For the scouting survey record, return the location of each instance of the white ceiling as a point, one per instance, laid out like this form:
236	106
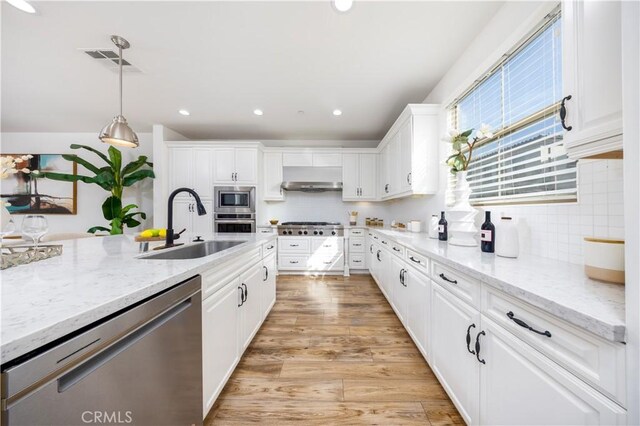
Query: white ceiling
221	60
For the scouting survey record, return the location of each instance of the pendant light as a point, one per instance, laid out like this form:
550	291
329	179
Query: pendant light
118	132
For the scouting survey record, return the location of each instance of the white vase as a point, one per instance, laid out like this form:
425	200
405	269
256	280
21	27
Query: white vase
507	239
462	226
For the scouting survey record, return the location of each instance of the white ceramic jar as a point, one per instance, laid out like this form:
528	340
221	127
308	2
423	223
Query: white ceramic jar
507	242
604	259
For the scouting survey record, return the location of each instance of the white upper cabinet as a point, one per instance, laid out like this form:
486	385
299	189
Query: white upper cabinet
272	179
297	159
327	159
191	167
409	154
592	77
359	173
236	166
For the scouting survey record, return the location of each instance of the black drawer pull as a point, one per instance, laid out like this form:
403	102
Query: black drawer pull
521	323
396	249
270	247
413	259
294	245
378	256
444	277
482	333
471	351
563	113
293	261
384	242
357	245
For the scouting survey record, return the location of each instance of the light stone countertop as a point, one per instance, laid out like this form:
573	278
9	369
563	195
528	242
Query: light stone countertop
94	277
559	288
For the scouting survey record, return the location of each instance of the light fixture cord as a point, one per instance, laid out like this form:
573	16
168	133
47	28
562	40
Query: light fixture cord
120	51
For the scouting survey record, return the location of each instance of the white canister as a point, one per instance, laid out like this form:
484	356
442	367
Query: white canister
604	259
416	226
433	226
507	243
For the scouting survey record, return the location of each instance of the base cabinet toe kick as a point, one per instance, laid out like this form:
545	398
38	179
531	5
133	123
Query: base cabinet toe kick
500	360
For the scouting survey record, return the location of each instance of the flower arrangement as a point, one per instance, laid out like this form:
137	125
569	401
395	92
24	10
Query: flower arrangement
458	161
9	165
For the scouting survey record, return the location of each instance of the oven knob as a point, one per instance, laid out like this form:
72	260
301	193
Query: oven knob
333	232
299	232
315	232
290	232
321	232
305	232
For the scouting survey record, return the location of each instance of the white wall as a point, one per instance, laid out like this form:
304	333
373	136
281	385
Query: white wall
90	197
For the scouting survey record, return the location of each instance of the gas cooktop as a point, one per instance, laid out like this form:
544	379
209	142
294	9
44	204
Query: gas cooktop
311	224
311	229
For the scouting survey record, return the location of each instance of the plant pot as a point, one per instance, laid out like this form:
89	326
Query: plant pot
462	227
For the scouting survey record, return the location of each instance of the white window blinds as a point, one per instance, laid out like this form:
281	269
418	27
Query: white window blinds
525	162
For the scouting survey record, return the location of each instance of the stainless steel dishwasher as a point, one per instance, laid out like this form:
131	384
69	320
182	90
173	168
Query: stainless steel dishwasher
140	366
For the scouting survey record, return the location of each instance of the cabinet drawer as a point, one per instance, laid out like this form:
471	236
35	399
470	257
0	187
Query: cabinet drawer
356	232
397	249
357	261
294	245
292	261
327	245
464	287
419	261
356	244
266	231
591	358
318	262
216	278
269	247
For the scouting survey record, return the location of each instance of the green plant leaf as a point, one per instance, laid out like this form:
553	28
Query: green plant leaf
112	208
128	207
116	226
87	165
137	176
143	215
65	177
131	222
134	165
467	133
116	158
95	151
95	229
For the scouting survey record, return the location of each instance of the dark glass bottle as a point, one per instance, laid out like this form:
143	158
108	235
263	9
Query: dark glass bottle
443	235
488	234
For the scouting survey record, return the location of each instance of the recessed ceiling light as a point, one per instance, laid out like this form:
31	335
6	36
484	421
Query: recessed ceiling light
23	5
342	5
258	112
337	112
183	112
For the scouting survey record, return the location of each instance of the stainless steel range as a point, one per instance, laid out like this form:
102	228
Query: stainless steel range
326	229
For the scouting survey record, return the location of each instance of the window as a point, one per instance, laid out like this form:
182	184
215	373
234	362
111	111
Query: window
525	162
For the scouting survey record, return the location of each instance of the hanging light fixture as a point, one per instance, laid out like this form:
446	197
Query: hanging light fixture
118	132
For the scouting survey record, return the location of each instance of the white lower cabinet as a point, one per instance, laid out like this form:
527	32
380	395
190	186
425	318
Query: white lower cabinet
311	254
268	285
452	360
418	315
251	314
398	290
220	352
520	386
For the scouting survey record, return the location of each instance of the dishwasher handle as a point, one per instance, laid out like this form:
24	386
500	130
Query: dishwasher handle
74	376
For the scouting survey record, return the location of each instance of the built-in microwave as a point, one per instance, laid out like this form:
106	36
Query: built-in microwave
235	199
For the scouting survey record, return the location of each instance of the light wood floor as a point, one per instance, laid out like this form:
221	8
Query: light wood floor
332	351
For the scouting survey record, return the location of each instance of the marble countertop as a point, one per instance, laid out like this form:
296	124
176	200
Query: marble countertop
94	277
559	288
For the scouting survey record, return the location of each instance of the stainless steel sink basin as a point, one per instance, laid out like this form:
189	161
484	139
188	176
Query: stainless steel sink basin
193	251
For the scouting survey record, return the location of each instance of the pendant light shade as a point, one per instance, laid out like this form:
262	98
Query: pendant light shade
118	132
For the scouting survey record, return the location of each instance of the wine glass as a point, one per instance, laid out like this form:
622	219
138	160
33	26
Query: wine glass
34	226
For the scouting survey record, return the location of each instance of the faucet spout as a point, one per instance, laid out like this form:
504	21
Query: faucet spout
199	207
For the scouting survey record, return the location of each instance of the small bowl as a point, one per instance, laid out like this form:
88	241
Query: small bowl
274	221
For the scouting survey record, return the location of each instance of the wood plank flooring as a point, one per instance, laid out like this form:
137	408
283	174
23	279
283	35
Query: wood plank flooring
332	351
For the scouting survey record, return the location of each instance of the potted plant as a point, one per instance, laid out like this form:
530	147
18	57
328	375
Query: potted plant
112	177
462	228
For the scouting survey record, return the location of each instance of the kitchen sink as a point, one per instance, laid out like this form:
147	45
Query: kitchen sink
194	251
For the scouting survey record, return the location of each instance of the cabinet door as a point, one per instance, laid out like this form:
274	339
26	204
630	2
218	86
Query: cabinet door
456	368
368	175
224	165
397	290
251	281
384	173
592	69
202	225
182	214
405	139
520	386
418	308
180	169
219	341
202	166
350	176
273	176
268	286
394	165
327	160
246	160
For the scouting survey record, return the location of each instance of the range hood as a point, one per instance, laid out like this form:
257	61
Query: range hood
311	186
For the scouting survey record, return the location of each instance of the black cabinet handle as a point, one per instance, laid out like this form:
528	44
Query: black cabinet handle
246	292
271	246
409	178
378	256
482	333
371	249
375	238
401	277
471	351
413	259
523	324
384	242
293	261
241	296
402	272
563	113
294	245
357	245
444	277
266	273
396	249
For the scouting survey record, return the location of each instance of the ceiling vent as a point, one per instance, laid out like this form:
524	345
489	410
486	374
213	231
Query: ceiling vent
109	59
